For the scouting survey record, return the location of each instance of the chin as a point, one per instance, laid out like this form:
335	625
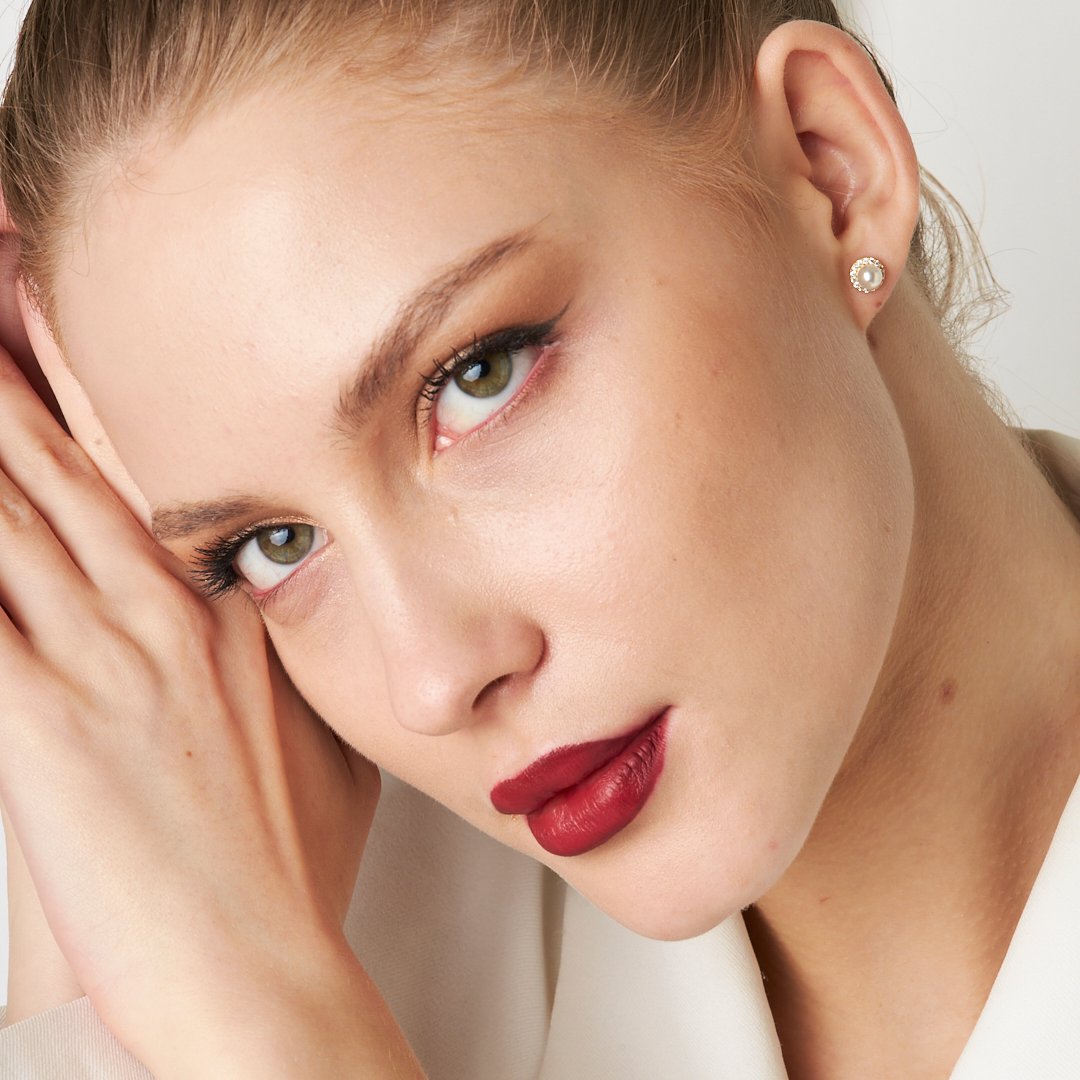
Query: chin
673	904
673	925
670	918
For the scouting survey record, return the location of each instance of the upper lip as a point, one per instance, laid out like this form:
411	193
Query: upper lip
562	768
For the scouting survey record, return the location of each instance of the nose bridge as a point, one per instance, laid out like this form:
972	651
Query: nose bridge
445	636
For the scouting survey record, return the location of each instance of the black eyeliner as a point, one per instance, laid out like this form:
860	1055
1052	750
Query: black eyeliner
509	340
214	571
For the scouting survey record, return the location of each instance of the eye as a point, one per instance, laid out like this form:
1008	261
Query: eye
273	553
478	386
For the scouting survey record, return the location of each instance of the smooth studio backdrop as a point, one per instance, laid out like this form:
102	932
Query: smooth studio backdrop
988	95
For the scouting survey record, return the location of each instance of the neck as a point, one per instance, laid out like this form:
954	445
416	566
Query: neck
882	940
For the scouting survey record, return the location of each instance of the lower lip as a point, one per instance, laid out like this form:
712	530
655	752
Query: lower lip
605	802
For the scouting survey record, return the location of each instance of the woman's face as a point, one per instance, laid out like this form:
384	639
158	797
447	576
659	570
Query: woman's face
673	484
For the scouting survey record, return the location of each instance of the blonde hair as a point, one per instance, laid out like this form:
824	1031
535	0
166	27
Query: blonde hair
93	77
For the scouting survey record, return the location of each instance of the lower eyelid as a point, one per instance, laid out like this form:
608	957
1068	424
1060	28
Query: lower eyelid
258	594
268	599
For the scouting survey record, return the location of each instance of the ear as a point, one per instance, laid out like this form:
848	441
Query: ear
30	342
81	419
12	331
829	139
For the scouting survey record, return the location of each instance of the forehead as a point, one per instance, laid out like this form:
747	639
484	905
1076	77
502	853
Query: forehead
221	280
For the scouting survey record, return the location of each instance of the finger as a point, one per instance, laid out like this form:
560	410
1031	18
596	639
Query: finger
84	513
13	334
39	584
22	404
12	641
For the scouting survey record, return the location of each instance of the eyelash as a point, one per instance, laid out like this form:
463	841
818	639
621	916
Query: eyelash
214	572
509	340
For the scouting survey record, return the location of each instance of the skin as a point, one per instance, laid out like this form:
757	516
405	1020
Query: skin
859	597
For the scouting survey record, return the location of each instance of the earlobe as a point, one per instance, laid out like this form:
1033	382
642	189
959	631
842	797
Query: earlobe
828	136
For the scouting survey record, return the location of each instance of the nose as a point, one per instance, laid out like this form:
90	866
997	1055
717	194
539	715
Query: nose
440	676
449	647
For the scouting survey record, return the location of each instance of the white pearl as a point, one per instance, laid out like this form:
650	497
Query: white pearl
868	275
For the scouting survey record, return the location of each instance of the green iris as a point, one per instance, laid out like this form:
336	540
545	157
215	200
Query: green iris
488	376
286	543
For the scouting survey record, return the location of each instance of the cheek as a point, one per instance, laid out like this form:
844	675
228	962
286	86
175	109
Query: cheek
333	659
743	536
746	509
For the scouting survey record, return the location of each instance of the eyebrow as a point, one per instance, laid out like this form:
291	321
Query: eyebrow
415	319
172	521
379	371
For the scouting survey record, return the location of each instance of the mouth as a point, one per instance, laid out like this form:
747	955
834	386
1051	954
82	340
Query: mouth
578	797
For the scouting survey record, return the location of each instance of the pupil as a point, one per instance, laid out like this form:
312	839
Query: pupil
487	377
286	543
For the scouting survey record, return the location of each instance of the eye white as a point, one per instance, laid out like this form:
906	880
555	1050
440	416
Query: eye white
276	552
457	411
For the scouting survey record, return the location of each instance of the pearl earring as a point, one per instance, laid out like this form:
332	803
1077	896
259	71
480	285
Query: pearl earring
867	275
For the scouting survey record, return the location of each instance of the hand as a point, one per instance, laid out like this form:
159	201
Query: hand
39	977
192	830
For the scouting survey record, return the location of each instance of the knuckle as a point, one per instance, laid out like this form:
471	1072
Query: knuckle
195	622
129	677
63	457
49	458
134	667
67	713
17	511
45	708
178	611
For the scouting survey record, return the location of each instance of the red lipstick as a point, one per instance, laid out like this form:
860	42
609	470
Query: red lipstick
577	797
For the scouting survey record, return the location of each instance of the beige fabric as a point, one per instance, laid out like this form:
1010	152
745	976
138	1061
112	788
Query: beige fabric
65	1044
497	971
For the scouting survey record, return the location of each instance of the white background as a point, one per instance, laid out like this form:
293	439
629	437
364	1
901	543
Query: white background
988	90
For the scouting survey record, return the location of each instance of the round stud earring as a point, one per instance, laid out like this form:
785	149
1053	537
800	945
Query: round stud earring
867	275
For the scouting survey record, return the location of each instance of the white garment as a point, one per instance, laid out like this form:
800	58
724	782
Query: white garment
496	970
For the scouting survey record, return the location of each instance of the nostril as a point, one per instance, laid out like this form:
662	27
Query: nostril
528	663
491	688
438	680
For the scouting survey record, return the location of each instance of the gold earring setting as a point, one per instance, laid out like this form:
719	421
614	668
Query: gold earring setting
867	275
